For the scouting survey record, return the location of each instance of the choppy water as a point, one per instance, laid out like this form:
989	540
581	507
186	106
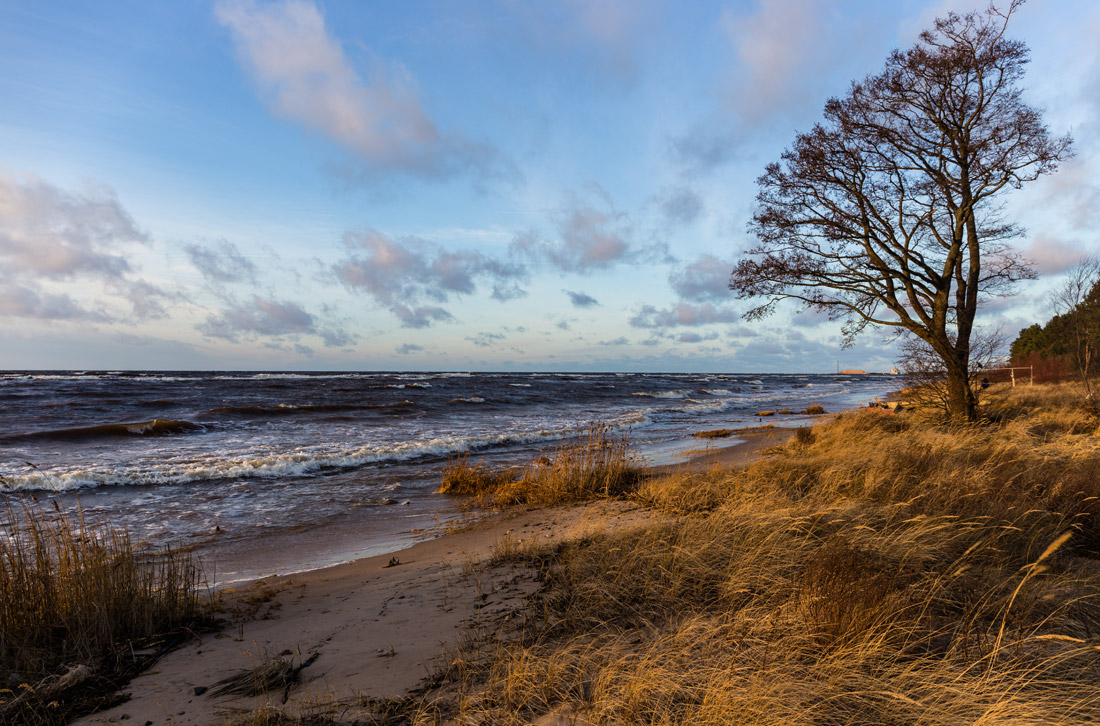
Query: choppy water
229	460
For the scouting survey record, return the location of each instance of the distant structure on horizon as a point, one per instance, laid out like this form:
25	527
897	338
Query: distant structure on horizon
852	372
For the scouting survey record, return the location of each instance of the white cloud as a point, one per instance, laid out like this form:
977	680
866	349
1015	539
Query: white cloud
1053	255
305	77
782	51
56	234
404	274
273	319
602	38
221	262
82	239
485	340
784	55
21	301
705	279
682	315
680	205
592	235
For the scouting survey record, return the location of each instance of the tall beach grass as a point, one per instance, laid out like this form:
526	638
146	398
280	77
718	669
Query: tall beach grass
77	602
595	464
885	570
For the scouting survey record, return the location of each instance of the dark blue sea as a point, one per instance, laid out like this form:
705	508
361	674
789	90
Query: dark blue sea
280	472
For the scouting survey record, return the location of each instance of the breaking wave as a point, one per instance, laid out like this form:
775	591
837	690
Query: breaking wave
662	394
156	427
291	463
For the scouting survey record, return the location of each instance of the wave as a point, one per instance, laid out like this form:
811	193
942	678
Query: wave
471	399
156	427
662	394
293	463
718	391
291	409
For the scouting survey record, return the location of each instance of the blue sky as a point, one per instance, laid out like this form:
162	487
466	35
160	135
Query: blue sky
497	185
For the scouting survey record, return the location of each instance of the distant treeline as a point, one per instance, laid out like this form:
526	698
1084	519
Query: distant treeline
1066	345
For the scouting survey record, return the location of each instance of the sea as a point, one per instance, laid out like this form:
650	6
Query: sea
262	473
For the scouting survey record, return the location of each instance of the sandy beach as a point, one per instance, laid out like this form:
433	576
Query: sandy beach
379	626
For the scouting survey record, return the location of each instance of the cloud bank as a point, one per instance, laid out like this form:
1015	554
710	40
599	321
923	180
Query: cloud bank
81	239
406	276
305	77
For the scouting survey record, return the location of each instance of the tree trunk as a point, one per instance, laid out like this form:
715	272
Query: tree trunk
961	405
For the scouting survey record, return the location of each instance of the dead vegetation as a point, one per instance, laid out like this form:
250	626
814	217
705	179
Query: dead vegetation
82	610
597	464
713	434
884	569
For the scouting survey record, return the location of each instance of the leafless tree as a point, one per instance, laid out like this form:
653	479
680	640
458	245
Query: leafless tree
923	371
1076	301
888	213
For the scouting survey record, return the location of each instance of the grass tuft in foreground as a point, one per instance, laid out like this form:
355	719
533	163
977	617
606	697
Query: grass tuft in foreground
77	599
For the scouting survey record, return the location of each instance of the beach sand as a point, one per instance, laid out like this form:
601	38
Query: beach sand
379	626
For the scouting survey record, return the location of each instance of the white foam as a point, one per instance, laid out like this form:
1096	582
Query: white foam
291	463
662	394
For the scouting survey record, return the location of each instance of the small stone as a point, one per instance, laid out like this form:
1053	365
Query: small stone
199	690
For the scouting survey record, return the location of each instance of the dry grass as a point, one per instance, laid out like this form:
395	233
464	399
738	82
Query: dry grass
596	465
713	434
461	478
814	410
77	599
884	570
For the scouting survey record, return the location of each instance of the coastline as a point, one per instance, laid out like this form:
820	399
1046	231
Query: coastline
330	544
379	625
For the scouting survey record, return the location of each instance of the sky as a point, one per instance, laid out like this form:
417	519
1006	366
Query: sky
452	185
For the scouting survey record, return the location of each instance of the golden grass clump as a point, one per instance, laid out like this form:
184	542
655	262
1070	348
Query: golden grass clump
882	569
713	434
461	478
595	465
813	410
76	600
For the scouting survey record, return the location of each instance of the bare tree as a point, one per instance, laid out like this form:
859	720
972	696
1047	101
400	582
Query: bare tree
923	371
887	213
1077	302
